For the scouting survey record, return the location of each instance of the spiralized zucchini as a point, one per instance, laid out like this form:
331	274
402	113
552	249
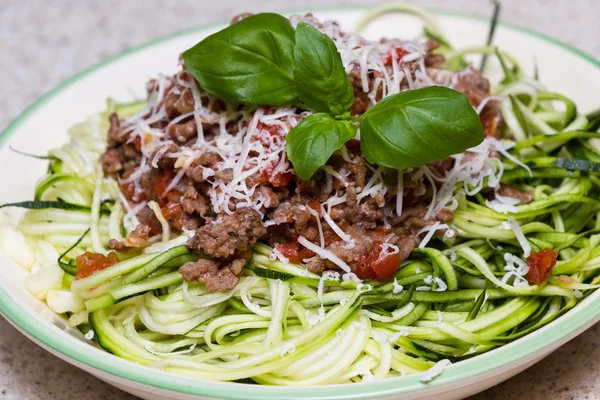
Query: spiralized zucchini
283	325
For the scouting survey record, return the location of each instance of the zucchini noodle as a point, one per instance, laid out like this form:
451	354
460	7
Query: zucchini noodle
284	325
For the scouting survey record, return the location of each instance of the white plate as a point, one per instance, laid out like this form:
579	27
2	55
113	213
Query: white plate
44	126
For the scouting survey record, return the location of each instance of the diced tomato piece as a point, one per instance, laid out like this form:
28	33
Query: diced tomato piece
161	183
540	265
375	265
137	142
294	251
385	266
490	119
274	130
258	178
278	179
387	59
128	190
89	263
275	178
364	266
173	213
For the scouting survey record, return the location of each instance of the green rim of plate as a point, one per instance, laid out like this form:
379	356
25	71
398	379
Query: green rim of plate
525	349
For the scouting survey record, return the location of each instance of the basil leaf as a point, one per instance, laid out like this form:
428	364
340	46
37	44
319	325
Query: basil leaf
248	62
312	142
413	128
321	79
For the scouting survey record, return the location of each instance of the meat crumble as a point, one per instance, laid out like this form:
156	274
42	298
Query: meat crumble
358	198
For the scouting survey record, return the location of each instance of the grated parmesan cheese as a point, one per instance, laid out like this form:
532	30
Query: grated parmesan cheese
311	318
430	229
335	227
325	254
276	255
380	337
166	228
435	371
397	287
501	207
514	225
287	348
516	268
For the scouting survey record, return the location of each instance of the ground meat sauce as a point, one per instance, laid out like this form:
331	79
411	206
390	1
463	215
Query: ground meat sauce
380	239
228	234
522	196
218	276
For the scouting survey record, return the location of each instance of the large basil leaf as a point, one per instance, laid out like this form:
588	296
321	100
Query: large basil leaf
413	128
251	61
321	80
314	140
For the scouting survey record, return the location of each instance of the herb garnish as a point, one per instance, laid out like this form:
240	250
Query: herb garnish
251	61
319	136
262	60
419	126
321	80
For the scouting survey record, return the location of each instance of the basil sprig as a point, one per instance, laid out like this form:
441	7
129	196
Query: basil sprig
261	60
322	85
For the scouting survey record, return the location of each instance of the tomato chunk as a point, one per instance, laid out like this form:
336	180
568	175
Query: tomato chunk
540	265
387	59
294	251
128	190
363	269
274	177
89	263
490	118
274	130
163	181
278	179
378	264
173	213
137	142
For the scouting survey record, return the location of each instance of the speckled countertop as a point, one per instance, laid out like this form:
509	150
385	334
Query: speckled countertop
42	43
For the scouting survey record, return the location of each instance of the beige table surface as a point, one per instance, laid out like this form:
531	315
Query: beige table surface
44	42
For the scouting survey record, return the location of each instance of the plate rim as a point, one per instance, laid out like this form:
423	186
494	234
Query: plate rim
579	318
